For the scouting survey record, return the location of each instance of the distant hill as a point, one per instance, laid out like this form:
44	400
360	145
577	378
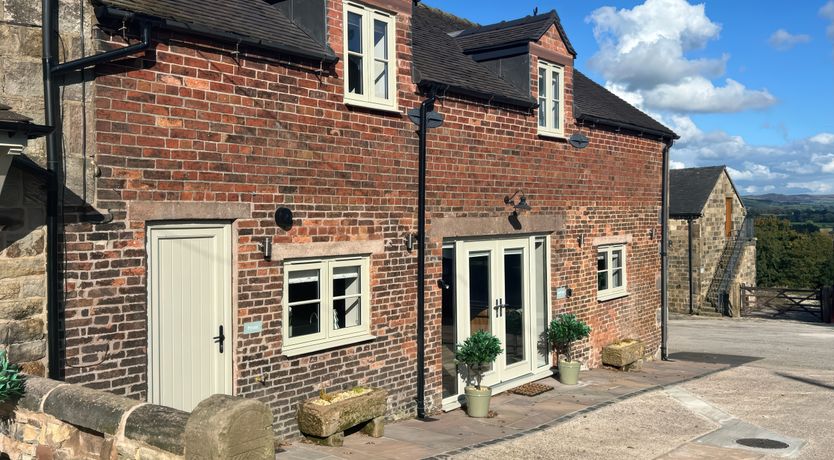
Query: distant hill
778	199
800	210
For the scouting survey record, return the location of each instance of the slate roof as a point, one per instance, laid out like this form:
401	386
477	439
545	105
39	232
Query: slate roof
690	188
254	20
439	59
591	101
13	121
6	114
524	30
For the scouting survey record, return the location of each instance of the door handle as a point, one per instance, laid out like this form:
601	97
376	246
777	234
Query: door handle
219	339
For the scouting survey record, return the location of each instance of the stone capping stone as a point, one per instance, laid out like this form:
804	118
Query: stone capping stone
224	426
221	426
612	239
453	227
88	408
185	210
158	426
282	251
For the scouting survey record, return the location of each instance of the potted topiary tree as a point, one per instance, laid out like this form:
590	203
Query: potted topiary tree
477	353
562	332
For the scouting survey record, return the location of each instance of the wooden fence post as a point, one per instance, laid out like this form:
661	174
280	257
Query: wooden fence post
827	303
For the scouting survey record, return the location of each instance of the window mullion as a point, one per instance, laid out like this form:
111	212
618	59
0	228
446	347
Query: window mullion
369	59
549	80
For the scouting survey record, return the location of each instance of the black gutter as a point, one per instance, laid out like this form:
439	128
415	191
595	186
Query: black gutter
664	257
52	69
527	104
31	130
197	29
425	107
628	126
691	291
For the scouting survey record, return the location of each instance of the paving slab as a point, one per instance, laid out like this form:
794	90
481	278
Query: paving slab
453	432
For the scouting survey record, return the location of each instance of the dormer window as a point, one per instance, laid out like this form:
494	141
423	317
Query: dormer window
370	58
551	99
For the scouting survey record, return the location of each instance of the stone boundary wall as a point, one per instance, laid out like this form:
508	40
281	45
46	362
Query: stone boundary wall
55	420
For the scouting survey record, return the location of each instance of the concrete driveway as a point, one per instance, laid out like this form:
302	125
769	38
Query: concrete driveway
783	391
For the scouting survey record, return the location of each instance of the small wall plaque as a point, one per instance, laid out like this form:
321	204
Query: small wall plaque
561	292
253	328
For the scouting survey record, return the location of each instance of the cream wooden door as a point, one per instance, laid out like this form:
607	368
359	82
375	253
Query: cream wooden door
190	313
493	294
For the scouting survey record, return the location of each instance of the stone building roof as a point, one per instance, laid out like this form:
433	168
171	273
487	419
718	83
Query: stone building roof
690	188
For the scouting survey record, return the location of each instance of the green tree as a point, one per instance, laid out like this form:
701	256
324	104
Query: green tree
788	258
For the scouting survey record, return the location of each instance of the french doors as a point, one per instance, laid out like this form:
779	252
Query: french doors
501	286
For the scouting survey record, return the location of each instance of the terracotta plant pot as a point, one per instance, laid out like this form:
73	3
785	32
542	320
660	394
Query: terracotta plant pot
477	401
568	372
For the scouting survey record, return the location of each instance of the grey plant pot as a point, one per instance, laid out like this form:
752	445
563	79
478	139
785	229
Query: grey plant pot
568	372
477	401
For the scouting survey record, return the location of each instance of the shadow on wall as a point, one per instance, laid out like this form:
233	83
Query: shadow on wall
22	203
23	206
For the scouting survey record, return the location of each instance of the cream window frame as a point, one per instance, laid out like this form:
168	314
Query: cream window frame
612	292
328	336
549	128
369	98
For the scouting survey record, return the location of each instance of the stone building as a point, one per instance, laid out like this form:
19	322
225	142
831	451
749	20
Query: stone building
22	244
709	226
255	173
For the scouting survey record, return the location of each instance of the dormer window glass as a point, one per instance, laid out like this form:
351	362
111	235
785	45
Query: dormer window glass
551	99
370	62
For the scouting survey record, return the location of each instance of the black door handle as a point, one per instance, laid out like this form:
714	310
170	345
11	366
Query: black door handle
220	339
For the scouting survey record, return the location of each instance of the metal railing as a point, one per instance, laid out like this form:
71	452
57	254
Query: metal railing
719	290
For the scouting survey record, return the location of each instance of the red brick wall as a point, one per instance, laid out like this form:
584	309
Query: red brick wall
198	125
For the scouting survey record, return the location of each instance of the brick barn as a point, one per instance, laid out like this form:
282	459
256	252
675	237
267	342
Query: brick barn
250	225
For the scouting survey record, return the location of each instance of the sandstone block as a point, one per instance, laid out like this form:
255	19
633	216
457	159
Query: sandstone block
31	245
158	426
33	287
375	428
101	412
21	331
9	290
36	389
15	268
225	426
325	420
27	351
623	353
21	309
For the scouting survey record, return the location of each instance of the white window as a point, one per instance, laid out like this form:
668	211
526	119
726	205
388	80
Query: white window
551	99
611	272
370	57
326	304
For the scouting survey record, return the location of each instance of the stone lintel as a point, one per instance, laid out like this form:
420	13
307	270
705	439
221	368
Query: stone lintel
185	210
281	251
504	225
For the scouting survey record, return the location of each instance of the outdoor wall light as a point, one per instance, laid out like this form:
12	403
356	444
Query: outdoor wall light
266	248
581	240
522	202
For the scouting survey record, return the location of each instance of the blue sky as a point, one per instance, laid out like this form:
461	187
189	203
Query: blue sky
749	84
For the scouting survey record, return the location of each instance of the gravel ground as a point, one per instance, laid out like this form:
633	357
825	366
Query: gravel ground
789	391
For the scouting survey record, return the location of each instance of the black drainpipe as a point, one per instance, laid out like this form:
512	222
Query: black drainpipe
691	287
664	258
425	107
54	162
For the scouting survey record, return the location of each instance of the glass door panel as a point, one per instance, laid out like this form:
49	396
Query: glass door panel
449	324
513	306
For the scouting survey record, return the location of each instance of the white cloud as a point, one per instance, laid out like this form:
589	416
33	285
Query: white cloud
823	138
642	56
753	189
676	164
827	11
783	40
812	186
825	162
754	171
697	94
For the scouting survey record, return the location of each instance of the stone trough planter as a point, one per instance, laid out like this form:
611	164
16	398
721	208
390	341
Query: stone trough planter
325	422
625	355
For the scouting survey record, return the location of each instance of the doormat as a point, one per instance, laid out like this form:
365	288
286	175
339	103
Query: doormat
531	389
